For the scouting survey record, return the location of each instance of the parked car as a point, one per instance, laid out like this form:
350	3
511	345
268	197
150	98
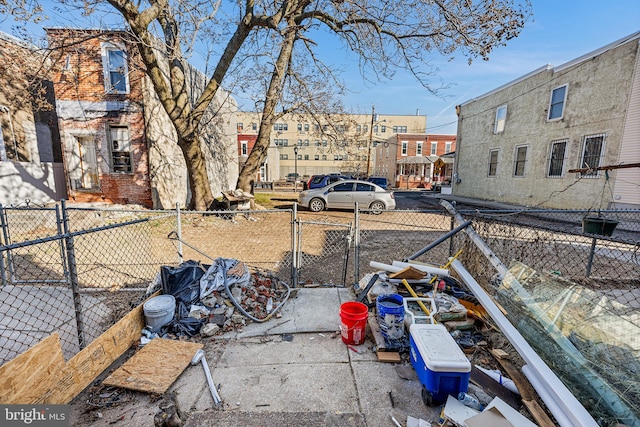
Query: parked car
319	181
293	177
344	195
379	180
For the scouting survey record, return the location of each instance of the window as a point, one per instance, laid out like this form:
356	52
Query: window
335	157
375	129
399	129
556	105
254	126
324	142
447	147
244	148
344	186
240	127
360	186
556	159
419	149
284	157
592	154
404	147
317	143
493	162
383	129
306	157
501	119
316	157
280	126
306	127
306	142
324	157
521	159
365	128
120	149
116	73
434	148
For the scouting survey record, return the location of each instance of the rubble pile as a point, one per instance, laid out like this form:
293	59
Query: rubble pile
217	298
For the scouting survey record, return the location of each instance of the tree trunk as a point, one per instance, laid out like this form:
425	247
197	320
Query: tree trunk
201	197
259	151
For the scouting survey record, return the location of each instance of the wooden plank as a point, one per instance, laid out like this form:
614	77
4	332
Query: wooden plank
85	366
388	356
32	373
374	326
493	388
409	272
527	392
154	368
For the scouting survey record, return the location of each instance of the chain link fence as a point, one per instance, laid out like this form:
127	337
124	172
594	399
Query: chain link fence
80	270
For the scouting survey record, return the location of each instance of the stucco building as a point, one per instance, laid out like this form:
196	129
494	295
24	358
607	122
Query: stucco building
337	143
30	155
518	142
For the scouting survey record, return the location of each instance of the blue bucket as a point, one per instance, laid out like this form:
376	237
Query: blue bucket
390	309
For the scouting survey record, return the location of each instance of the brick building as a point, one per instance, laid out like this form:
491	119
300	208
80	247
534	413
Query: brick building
98	82
416	160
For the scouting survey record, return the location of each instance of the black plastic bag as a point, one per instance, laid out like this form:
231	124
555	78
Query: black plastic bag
186	326
183	281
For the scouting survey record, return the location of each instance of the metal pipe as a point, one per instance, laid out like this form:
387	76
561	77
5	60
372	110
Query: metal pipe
439	240
179	227
356	246
295	230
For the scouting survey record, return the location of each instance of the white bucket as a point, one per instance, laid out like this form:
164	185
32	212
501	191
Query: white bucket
159	311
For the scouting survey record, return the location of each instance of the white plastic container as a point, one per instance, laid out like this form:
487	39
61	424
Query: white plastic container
158	311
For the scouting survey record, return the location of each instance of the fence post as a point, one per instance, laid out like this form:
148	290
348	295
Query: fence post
295	227
63	258
73	275
3	273
592	252
179	226
356	245
453	225
5	235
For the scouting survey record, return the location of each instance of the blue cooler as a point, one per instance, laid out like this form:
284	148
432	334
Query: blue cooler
442	367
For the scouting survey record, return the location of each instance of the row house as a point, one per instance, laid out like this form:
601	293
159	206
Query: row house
416	160
558	137
118	142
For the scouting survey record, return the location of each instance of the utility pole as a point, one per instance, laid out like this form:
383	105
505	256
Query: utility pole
373	115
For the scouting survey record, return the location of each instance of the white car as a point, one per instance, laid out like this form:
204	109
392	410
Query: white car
345	194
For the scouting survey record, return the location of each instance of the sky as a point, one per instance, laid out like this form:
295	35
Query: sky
558	32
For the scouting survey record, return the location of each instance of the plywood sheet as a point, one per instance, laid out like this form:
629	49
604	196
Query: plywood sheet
31	374
154	368
409	272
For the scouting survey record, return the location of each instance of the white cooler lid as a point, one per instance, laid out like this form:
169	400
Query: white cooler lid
438	348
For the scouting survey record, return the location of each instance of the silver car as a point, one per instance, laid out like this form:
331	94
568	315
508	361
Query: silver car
345	194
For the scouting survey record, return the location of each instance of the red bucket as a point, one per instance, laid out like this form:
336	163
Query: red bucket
353	322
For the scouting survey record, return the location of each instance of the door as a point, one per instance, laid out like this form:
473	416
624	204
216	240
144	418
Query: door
340	196
83	164
363	195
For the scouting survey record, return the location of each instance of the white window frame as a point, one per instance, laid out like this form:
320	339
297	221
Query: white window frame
594	174
553	143
106	67
501	119
418	148
434	148
405	147
515	161
564	103
244	148
124	148
447	147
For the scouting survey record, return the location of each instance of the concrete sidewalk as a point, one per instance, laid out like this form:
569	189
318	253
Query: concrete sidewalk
312	380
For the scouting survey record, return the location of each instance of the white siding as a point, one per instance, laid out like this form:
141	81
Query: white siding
626	190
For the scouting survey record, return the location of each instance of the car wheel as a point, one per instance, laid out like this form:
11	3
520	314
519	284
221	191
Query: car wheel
316	205
377	207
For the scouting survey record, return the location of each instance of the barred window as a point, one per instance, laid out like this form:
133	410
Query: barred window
557	157
592	154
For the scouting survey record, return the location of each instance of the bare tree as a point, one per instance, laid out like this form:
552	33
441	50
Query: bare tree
382	35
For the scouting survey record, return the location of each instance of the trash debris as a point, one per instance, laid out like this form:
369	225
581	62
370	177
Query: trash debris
470	401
